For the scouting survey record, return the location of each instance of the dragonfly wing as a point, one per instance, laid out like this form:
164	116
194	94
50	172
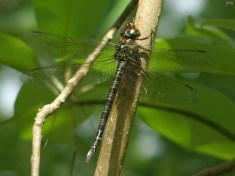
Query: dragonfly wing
163	89
57	76
188	60
72	54
52	46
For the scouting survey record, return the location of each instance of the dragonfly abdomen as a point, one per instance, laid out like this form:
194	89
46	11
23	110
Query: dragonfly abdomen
107	108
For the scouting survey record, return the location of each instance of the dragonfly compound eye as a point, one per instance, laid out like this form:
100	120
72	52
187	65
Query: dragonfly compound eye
131	33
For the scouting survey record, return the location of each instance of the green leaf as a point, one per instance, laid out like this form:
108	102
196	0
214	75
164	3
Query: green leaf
67	17
58	127
224	23
113	12
14	53
212	34
222	83
29	100
205	126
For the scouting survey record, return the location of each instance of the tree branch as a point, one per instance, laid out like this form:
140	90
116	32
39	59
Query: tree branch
218	170
48	109
118	127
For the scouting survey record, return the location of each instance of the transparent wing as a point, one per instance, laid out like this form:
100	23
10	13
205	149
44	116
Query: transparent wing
57	76
71	50
161	88
53	46
158	87
188	60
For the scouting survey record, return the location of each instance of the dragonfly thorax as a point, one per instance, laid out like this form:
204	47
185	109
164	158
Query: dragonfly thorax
122	52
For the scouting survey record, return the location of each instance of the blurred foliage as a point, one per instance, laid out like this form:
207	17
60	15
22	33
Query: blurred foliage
204	126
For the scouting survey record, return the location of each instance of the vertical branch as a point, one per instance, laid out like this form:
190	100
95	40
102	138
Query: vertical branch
123	111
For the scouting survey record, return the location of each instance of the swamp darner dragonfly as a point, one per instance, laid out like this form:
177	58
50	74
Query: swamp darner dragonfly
155	87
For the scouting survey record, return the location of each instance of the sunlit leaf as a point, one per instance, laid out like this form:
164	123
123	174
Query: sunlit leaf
204	126
14	53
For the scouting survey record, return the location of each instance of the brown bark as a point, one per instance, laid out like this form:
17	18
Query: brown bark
119	125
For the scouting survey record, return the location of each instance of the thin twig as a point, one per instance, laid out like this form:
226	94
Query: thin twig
59	100
218	170
119	124
67	91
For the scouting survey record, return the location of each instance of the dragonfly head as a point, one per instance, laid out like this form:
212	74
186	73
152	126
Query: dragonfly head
130	31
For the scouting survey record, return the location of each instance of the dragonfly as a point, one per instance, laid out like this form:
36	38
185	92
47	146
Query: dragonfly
114	61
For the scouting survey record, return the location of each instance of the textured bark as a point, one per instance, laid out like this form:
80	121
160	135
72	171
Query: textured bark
119	125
